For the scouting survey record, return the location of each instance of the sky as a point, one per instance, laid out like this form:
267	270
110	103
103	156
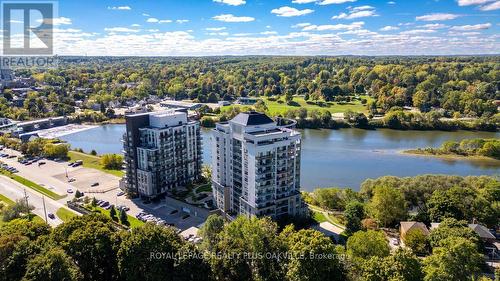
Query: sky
277	27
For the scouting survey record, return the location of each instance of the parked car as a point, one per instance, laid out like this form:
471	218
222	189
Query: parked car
120	193
94	184
69	190
51	216
71	180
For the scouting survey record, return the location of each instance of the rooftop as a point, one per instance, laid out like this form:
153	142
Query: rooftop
252	118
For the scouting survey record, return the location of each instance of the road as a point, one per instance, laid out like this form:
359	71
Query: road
52	176
15	191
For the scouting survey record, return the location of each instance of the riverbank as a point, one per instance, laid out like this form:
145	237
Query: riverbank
449	156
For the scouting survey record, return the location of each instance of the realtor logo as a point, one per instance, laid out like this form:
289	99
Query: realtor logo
28	28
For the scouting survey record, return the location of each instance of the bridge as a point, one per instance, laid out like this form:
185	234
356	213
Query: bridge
29	126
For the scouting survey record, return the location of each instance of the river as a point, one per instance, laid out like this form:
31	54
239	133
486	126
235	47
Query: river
340	158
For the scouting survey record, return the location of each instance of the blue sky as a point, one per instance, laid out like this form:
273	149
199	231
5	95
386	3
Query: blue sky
278	27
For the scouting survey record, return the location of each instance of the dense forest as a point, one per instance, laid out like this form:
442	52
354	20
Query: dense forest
462	86
94	247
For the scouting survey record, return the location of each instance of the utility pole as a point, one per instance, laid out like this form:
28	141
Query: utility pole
44	209
27	204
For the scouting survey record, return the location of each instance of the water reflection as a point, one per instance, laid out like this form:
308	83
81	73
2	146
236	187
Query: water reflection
343	158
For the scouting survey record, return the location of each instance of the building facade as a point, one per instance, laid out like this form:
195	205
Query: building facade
162	152
256	167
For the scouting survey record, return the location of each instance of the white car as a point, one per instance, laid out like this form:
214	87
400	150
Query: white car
69	190
120	193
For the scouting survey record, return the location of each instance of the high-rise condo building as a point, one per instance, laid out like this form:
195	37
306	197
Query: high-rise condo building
256	167
162	152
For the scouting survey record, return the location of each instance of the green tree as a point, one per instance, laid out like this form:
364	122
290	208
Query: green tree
112	161
112	213
124	218
52	265
190	265
417	241
148	253
354	213
366	244
452	228
387	205
101	235
456	259
257	239
313	256
16	210
211	229
402	265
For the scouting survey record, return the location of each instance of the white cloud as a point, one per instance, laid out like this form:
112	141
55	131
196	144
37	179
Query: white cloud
290	12
215	28
434	26
155	20
417	31
120	29
135	25
391	3
122	8
300	25
491	7
303	1
146	15
329	2
184	43
231	2
389	28
269	33
181	21
354	25
437	17
218	33
232	18
242	34
357	12
471	27
472	2
57	21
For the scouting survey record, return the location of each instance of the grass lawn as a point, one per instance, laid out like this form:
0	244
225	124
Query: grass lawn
5	200
319	217
32	185
134	222
204	188
65	214
276	108
93	162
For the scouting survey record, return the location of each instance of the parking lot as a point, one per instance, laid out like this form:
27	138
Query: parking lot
61	178
56	175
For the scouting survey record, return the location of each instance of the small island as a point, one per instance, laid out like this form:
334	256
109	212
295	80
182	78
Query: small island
470	148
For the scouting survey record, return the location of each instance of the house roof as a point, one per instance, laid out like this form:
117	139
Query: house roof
482	231
252	118
411	225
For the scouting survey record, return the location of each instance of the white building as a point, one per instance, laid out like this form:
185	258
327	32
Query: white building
256	167
162	152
